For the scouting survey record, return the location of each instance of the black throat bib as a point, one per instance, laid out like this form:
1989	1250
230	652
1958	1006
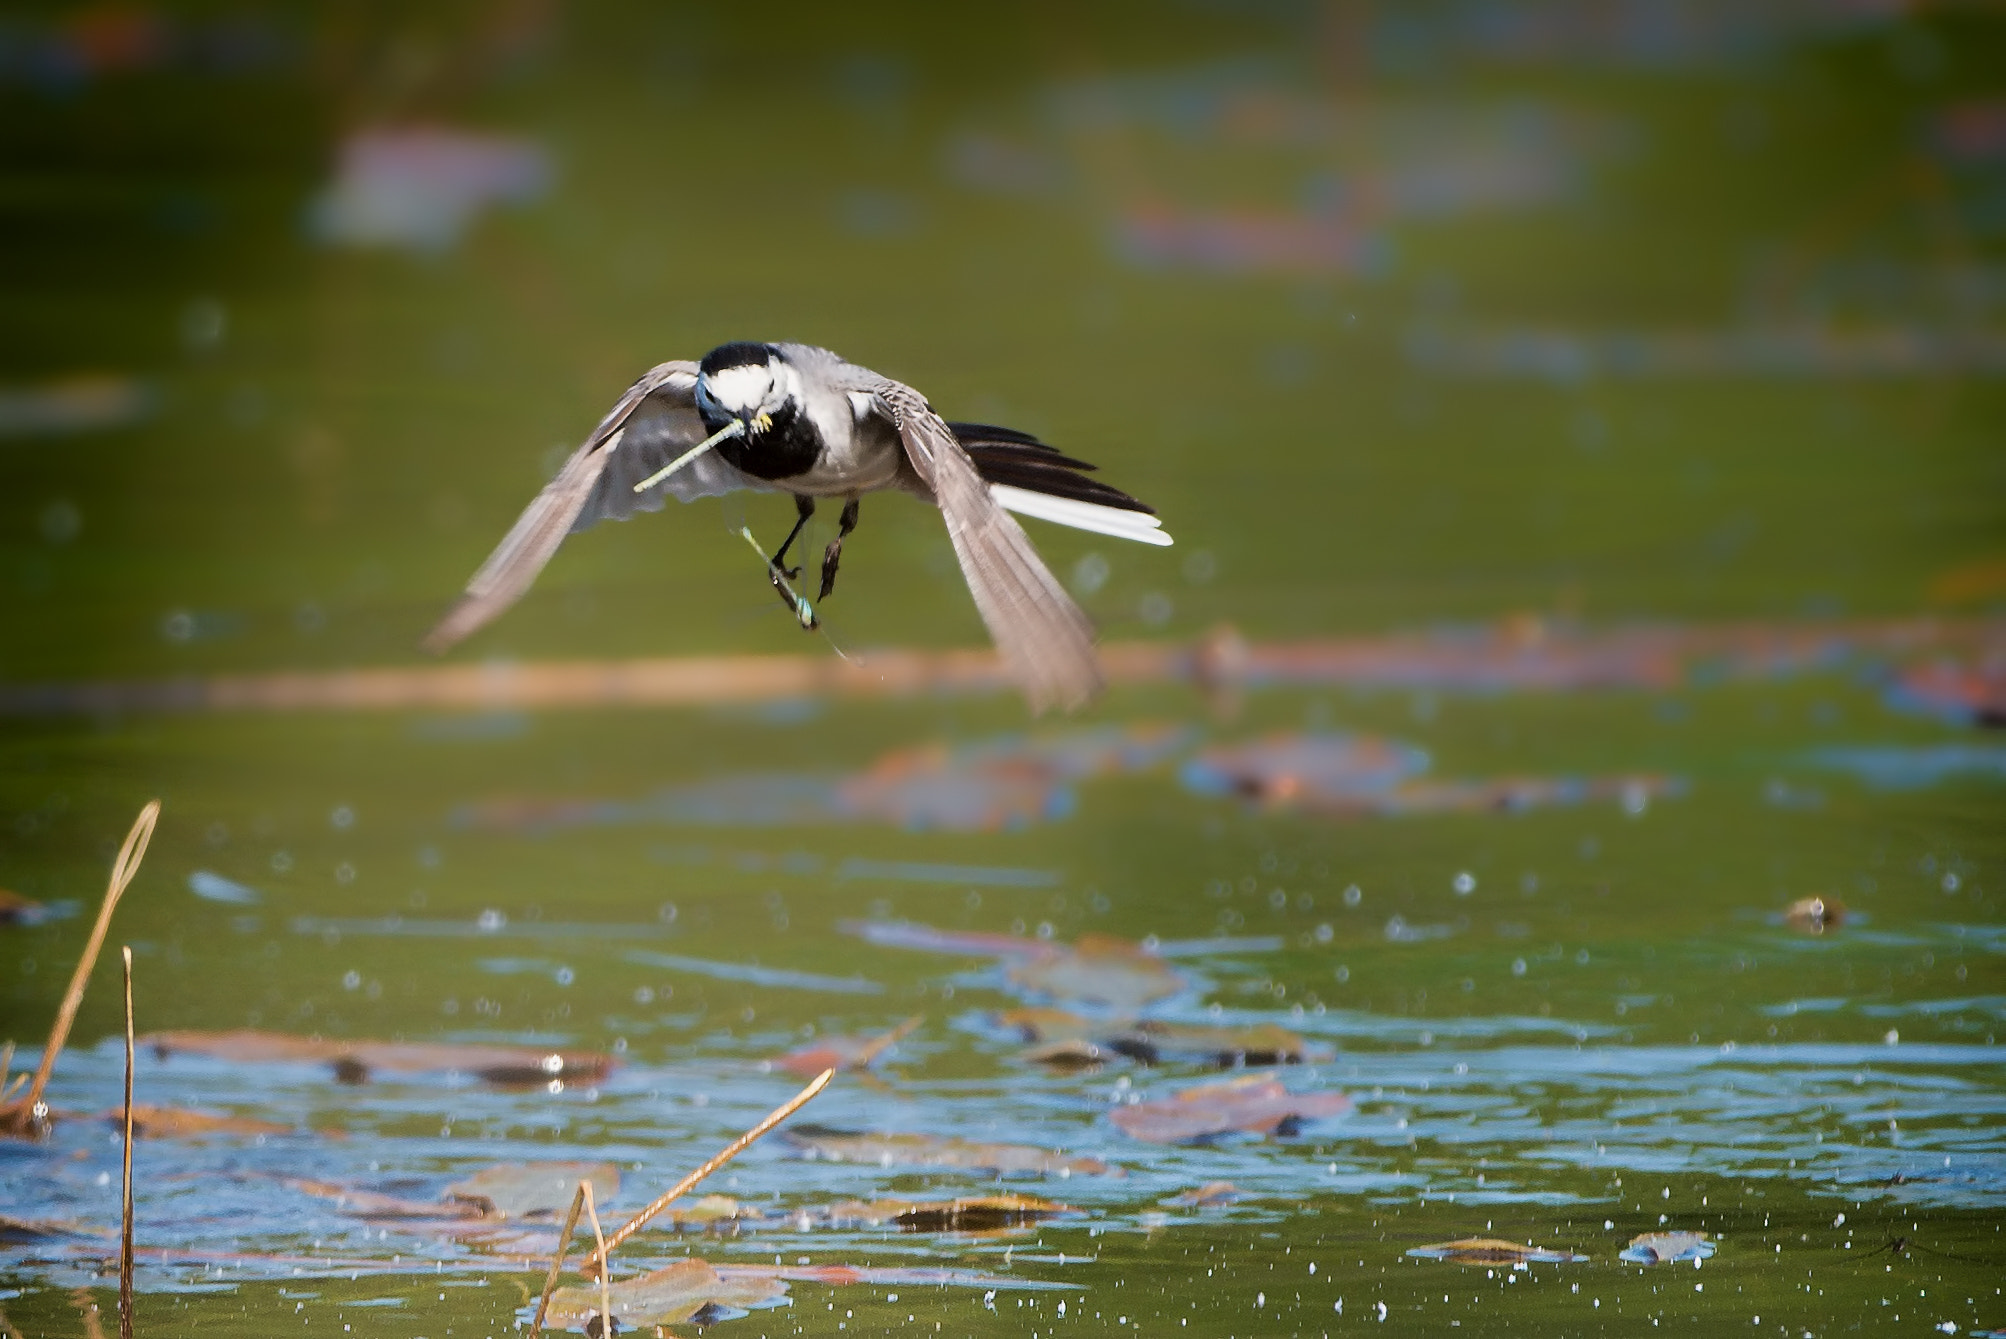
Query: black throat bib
789	446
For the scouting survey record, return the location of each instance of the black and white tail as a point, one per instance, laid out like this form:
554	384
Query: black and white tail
1033	479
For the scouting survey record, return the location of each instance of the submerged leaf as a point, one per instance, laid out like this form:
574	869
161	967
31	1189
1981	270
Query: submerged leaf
1100	970
1663	1248
151	1122
667	1296
353	1061
1493	1251
927	1150
533	1189
1256	1105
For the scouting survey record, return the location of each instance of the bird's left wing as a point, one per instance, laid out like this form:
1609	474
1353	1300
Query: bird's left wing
562	505
1043	635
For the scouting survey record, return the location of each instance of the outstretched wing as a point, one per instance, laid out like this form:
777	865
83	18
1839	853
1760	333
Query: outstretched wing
1044	637
652	423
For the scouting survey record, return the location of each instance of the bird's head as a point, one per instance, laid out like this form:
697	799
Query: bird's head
743	383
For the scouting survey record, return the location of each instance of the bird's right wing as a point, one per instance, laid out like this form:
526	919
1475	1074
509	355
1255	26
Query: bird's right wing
653	422
1045	638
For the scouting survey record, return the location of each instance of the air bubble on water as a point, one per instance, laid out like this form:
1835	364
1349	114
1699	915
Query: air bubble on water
564	976
1465	883
1518	966
351	980
1090	573
1353	896
490	920
343	818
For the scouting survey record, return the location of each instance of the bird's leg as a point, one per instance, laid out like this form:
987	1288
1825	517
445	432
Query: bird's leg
804	507
833	555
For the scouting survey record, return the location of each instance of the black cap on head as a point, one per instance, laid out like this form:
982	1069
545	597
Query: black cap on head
737	354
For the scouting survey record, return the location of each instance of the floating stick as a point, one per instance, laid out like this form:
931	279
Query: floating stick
596	1266
125	1226
605	1288
32	1113
732	429
557	1261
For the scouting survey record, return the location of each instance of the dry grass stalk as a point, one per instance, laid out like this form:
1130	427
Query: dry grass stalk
596	1266
605	1287
557	1261
125	1224
31	1114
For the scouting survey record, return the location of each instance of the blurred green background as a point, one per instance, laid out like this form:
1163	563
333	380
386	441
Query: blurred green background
1397	313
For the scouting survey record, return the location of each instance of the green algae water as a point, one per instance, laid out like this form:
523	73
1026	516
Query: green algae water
1586	426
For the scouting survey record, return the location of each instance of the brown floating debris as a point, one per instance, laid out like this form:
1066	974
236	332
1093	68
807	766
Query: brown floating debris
1100	970
369	1205
1072	1053
1814	915
1493	1251
26	1231
29	1115
353	1061
1260	1044
928	1150
841	1053
710	1212
1036	1023
520	1190
1207	1195
152	1122
980	1213
1255	1105
684	1291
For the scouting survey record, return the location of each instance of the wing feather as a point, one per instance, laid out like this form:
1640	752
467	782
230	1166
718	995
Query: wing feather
654	420
1044	637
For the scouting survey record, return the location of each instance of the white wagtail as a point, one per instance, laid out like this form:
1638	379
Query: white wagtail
801	420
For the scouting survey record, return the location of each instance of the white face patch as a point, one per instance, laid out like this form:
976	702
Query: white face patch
741	390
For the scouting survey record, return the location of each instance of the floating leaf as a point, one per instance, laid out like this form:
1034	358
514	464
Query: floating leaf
1100	970
982	1213
1492	1251
533	1189
151	1122
354	1061
927	1150
1207	1195
1814	915
1251	1104
1036	1023
895	1276
842	1052
1663	1248
368	1204
1072	1053
28	1231
683	1291
708	1212
1261	1044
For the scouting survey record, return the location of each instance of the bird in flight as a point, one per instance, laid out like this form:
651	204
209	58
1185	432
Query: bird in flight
798	419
